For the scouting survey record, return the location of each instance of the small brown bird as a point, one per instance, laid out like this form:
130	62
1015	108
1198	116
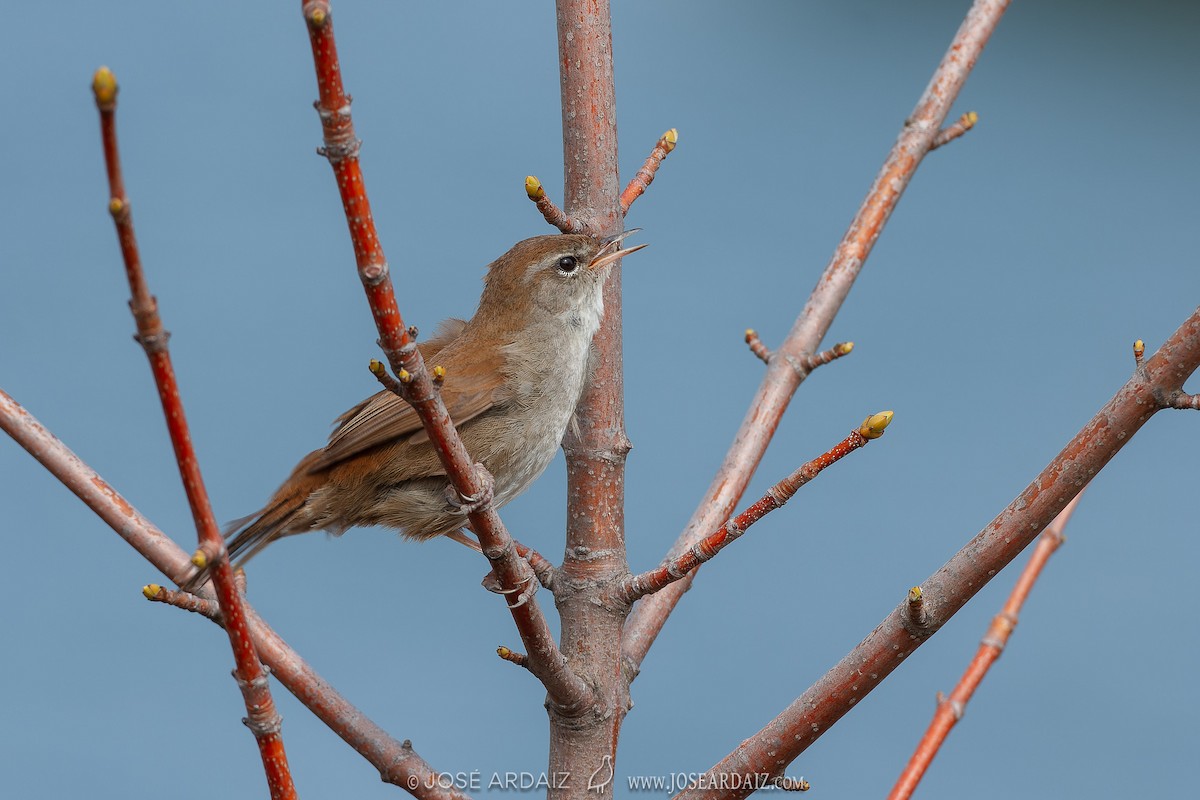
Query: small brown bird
514	373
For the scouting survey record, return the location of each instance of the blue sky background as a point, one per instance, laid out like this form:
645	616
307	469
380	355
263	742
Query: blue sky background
995	316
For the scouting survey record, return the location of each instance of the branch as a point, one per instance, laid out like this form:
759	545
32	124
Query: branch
950	710
596	444
512	656
542	568
596	447
417	387
781	380
805	364
638	586
262	718
184	600
396	761
951	132
552	213
1186	402
645	176
947	590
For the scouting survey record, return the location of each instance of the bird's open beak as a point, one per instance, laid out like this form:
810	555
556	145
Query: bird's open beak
610	252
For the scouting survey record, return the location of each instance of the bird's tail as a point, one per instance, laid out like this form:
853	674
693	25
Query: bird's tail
283	516
245	537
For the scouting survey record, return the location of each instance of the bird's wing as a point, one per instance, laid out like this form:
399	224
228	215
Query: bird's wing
384	417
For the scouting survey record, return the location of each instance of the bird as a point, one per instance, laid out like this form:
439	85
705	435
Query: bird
514	373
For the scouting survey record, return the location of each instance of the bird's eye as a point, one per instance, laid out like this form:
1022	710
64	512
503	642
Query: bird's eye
567	264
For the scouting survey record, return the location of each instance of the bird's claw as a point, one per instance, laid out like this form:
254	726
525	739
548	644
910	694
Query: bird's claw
470	503
523	590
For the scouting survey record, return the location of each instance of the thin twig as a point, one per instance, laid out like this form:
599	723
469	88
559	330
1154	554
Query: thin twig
645	175
803	364
552	213
184	600
757	347
637	586
810	362
916	608
261	715
951	132
950	710
341	148
397	762
512	656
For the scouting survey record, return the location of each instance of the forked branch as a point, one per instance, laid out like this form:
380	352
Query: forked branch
804	364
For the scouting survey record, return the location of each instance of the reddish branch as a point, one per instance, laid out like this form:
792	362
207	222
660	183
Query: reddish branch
1183	400
810	362
512	656
262	718
184	600
553	214
542	567
781	380
637	586
757	347
596	447
1154	382
645	176
951	132
804	364
194	603
951	709
396	761
419	389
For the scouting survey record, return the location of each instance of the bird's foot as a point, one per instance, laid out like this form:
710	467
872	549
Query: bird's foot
468	504
523	591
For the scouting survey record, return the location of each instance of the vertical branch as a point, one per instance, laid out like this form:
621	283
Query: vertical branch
596	454
261	716
782	380
596	449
